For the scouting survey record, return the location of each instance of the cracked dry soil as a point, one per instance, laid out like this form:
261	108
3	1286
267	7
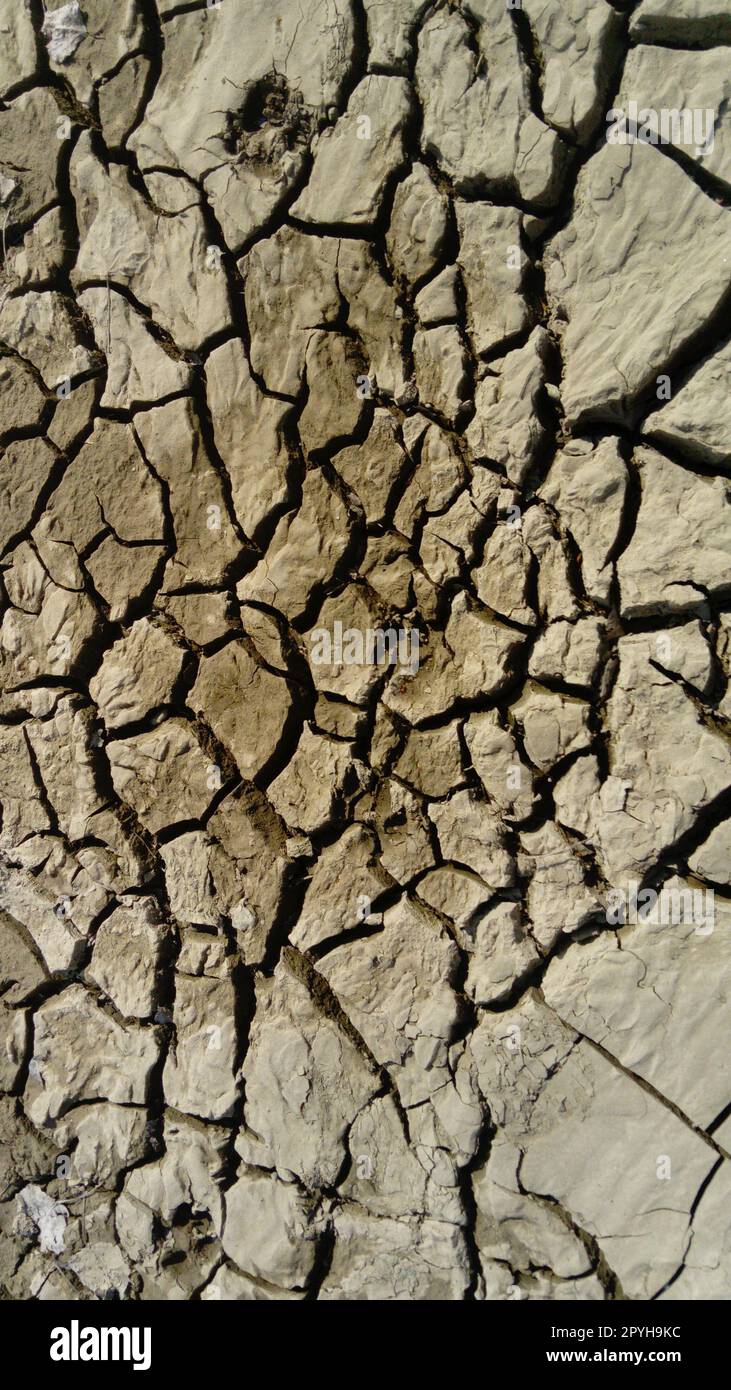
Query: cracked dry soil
320	318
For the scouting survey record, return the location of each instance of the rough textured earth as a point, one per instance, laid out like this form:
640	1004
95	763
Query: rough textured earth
343	314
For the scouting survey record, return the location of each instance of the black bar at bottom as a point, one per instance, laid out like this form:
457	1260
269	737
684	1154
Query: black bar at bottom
199	1338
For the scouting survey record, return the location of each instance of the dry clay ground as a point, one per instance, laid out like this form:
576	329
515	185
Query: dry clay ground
347	312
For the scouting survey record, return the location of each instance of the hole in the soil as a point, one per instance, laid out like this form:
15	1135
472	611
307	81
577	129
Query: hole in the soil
269	113
265	103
